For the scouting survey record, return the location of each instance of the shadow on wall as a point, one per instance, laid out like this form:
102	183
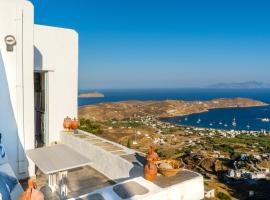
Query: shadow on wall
96	181
137	168
8	125
38	59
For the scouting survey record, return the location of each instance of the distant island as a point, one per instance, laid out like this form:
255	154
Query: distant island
159	109
242	85
91	95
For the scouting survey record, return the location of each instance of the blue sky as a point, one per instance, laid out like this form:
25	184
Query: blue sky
165	44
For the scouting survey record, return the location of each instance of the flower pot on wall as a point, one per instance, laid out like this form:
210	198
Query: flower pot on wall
67	123
75	124
152	155
150	171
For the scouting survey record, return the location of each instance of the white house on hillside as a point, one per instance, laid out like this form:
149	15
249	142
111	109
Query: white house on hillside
38	82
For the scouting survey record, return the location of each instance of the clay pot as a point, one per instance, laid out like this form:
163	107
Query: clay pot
150	171
67	123
31	192
152	155
74	124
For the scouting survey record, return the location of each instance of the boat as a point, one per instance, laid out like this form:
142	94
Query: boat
220	123
186	118
211	124
248	126
234	122
265	120
226	125
199	121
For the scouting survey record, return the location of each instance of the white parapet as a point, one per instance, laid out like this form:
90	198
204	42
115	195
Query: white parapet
109	164
186	185
191	189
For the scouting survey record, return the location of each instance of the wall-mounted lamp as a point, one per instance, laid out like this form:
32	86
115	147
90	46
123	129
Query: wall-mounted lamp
10	42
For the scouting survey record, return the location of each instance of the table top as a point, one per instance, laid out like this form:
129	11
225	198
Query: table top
57	158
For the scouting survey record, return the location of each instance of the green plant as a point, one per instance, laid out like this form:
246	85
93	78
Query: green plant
224	148
124	123
90	126
129	143
223	196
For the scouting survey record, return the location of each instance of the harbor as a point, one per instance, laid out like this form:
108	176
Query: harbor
240	119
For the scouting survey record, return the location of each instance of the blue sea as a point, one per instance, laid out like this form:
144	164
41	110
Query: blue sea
245	118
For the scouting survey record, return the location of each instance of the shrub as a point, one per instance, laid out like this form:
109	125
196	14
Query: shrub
224	148
90	126
129	143
124	123
223	196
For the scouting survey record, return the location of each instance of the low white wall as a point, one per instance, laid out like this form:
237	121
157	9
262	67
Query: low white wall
56	51
112	166
118	169
192	189
188	190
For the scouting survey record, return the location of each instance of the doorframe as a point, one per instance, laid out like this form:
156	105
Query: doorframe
46	120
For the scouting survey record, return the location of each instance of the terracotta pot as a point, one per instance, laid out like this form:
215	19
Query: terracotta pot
150	171
74	124
67	123
31	192
152	155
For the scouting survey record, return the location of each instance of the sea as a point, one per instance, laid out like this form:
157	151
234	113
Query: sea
249	119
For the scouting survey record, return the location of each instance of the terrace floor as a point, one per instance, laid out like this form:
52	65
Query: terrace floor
80	181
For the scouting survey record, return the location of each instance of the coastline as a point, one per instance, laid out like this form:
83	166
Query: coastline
249	123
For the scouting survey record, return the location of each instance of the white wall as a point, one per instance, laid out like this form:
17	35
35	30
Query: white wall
16	84
56	51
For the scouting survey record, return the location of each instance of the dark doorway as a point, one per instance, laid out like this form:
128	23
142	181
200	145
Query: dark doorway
40	108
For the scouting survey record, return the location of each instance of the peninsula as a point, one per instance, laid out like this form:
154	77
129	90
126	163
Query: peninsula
159	109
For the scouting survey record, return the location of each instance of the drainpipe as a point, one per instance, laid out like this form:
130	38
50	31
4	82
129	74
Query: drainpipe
20	95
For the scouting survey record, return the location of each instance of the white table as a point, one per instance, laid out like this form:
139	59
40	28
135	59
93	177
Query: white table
55	161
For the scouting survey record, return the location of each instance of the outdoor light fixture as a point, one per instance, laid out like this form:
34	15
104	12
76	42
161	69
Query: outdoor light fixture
10	42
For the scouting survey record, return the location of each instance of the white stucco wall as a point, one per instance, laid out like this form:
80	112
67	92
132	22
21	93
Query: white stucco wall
16	84
56	51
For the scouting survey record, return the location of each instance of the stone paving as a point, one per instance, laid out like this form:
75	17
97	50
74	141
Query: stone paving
80	181
104	144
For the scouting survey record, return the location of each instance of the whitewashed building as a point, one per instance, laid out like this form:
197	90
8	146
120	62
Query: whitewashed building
38	82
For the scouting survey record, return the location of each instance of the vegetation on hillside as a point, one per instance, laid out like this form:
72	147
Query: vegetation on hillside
90	126
124	123
261	142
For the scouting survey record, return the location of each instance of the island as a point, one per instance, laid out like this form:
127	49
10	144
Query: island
91	95
241	85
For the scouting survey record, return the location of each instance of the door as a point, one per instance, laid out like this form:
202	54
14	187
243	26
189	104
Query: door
41	108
